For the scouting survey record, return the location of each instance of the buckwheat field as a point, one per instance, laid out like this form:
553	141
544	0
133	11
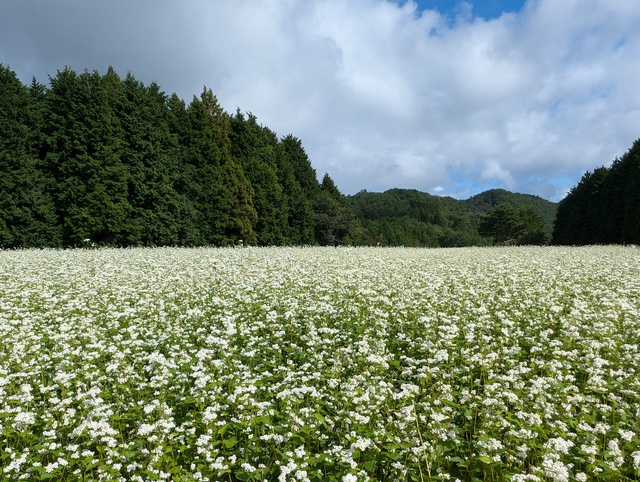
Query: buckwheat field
320	364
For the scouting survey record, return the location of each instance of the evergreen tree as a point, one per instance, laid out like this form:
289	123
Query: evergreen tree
27	211
502	224
84	157
508	225
300	187
334	223
161	215
254	148
212	180
577	217
631	226
609	214
604	207
534	231
238	204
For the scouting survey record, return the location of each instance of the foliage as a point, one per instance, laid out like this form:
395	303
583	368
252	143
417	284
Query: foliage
604	207
255	147
488	200
99	159
335	222
403	217
320	364
27	209
506	225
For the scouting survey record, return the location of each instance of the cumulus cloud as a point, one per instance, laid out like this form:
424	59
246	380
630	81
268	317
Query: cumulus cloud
381	93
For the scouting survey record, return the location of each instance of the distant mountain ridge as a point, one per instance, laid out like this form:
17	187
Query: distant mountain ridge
408	217
487	200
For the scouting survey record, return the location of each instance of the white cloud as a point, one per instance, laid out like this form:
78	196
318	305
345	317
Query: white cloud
380	94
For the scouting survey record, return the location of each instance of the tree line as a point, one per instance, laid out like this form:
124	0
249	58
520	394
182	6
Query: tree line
604	207
115	162
104	160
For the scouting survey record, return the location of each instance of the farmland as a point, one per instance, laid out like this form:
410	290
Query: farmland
296	364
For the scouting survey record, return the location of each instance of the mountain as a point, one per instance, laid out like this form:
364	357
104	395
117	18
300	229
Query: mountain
407	217
487	200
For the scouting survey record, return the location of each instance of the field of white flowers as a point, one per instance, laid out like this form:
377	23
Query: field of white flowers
320	364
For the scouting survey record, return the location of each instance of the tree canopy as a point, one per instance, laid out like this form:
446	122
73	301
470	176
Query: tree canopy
604	207
101	159
106	160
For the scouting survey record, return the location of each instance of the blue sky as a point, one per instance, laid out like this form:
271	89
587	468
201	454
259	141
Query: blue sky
486	9
446	97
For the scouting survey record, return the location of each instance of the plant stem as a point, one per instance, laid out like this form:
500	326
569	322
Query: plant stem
426	461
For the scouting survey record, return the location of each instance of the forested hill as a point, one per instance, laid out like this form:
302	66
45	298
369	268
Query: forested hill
93	159
487	200
412	218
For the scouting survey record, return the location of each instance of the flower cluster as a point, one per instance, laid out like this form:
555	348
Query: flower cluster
309	364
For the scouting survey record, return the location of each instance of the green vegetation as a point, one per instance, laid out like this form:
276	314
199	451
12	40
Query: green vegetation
320	364
506	225
604	207
488	200
98	159
402	217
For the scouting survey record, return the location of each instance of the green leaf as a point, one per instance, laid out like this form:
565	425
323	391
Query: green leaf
241	475
129	454
369	466
266	419
321	419
230	442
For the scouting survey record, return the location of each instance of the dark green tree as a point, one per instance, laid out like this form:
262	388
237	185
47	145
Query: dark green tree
631	230
27	210
300	188
238	205
254	147
335	222
216	184
577	220
84	149
534	230
502	224
619	209
161	215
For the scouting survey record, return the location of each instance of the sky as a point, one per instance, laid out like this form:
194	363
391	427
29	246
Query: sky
447	97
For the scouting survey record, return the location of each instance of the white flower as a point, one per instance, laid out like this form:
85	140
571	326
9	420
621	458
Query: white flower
145	429
559	445
555	469
626	435
23	420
